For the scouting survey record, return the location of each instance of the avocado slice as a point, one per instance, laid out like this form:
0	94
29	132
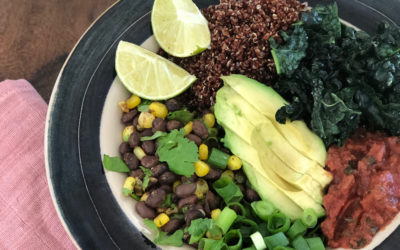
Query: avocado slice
246	119
282	192
267	101
262	185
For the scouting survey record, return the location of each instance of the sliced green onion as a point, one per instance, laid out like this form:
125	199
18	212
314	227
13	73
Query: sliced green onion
278	222
297	229
263	209
134	196
258	241
233	239
262	228
215	232
250	248
246	226
226	219
242	209
315	243
218	158
309	217
275	240
282	248
228	190
210	244
300	244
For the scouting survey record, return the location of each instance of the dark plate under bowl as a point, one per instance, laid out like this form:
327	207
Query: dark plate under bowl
78	185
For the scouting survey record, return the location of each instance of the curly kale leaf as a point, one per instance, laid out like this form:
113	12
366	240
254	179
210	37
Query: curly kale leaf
288	56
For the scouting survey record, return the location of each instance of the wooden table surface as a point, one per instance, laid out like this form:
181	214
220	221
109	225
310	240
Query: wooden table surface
36	37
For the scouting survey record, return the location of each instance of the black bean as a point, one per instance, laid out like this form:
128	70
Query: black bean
131	160
193	214
148	147
194	138
213	174
200	129
135	121
172	105
156	198
149	161
134	139
174	124
137	173
145	211
190	179
158	170
190	200
128	117
167	178
159	124
251	195
147	132
211	200
167	188
184	190
172	225
124	148
174	198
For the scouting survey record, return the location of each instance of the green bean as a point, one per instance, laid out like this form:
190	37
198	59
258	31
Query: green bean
263	209
233	239
226	219
278	222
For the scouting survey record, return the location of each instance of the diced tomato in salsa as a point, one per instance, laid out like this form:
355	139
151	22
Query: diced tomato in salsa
364	195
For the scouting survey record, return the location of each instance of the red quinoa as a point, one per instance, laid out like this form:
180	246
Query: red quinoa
239	44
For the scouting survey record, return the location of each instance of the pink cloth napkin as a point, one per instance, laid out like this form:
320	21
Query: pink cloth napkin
28	219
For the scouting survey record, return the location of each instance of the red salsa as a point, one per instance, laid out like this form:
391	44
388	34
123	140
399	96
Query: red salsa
364	194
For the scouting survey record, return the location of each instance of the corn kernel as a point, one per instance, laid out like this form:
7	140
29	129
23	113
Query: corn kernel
203	152
215	213
139	153
209	120
128	130
201	168
146	120
123	106
228	174
161	220
128	185
234	162
188	127
201	188
158	109
144	196
133	101
175	184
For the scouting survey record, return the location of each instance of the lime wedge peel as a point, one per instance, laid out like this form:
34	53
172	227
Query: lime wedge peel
179	27
149	75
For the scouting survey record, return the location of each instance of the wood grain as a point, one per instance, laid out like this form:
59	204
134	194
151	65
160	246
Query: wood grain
36	37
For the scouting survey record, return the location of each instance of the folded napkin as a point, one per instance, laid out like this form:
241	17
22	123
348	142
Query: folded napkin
28	219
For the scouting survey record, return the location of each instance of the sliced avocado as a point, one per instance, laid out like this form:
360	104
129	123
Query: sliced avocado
263	186
267	101
254	169
245	117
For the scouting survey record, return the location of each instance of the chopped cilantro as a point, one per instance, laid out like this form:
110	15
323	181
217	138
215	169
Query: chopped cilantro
115	164
162	238
144	106
146	178
154	136
178	152
181	115
198	228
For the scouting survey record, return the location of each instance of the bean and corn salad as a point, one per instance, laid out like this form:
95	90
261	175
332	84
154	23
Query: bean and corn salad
190	188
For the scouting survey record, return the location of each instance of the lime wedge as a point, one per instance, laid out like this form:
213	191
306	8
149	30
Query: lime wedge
179	27
149	75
